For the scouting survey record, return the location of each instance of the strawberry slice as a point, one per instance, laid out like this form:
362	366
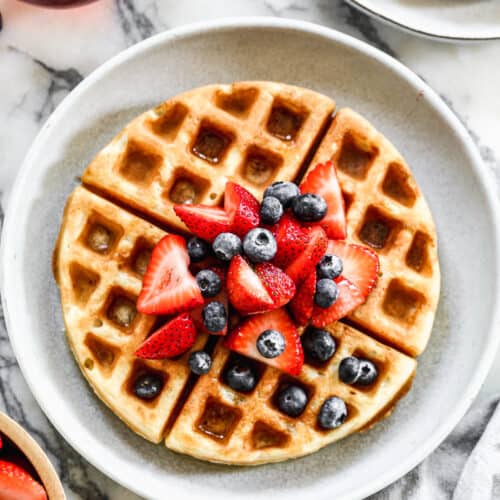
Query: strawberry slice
17	484
360	264
278	284
242	208
306	262
243	339
323	180
196	314
204	221
291	238
172	339
350	297
302	304
168	287
246	291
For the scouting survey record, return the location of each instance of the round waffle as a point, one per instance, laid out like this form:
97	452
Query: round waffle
185	150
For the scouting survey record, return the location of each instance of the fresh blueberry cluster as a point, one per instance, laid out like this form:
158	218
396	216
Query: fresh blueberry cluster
281	195
284	192
259	245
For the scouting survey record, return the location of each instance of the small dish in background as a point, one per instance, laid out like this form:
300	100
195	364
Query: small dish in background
20	449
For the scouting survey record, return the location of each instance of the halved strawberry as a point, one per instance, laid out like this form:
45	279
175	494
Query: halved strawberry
278	284
360	264
349	298
246	291
243	339
242	208
168	287
291	238
196	314
306	262
303	303
322	180
17	484
204	221
172	339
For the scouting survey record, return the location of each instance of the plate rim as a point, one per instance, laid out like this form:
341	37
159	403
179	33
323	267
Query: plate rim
486	184
432	35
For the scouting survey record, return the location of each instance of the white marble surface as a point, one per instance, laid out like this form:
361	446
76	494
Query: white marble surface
45	53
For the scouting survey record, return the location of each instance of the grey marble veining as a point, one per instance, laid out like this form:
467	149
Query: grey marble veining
44	54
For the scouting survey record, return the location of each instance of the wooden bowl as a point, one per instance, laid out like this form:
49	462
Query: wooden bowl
35	455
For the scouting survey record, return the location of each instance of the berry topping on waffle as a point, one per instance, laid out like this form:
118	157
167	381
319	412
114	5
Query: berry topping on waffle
205	287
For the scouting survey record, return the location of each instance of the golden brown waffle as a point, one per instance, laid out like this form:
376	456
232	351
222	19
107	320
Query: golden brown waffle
223	425
387	212
101	256
185	150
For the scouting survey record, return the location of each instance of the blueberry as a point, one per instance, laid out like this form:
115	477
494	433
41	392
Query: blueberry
226	246
292	400
271	343
209	282
214	316
197	249
286	192
148	386
318	344
349	370
326	293
333	413
240	376
259	245
271	210
200	362
330	266
309	207
368	372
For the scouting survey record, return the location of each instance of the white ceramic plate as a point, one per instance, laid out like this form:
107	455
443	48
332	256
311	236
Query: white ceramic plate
446	165
447	20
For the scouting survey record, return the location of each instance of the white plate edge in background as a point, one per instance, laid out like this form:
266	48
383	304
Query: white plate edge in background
378	12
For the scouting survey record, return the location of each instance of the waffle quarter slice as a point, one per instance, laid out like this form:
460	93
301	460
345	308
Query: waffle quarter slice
222	425
186	149
387	212
100	258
